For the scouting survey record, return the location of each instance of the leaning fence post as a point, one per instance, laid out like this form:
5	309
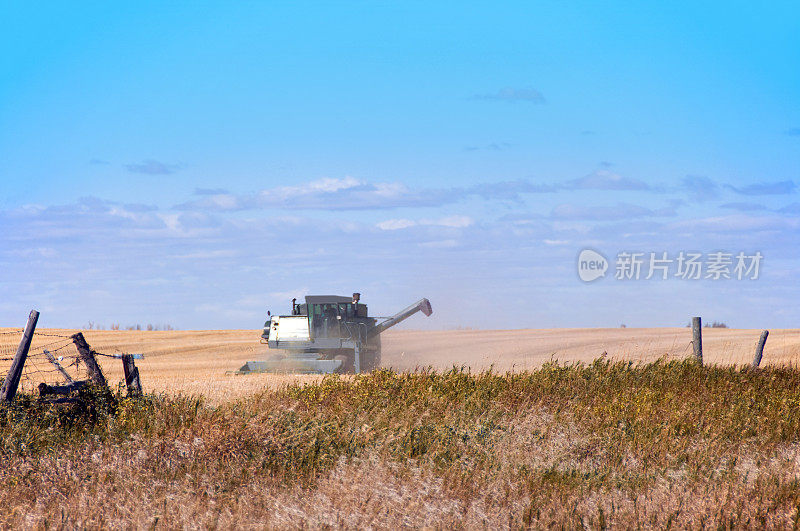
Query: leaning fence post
760	348
697	338
132	381
87	355
59	368
10	384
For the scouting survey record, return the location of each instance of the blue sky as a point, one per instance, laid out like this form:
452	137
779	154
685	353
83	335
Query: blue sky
199	163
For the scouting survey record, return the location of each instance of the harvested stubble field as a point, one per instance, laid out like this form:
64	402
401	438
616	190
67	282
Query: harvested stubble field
201	362
609	443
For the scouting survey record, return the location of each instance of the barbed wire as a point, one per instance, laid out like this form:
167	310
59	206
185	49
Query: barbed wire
115	356
36	333
51	335
54	359
54	362
47	345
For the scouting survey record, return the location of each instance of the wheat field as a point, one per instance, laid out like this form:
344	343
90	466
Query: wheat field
529	444
203	362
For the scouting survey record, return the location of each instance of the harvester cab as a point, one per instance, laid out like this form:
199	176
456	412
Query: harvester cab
328	333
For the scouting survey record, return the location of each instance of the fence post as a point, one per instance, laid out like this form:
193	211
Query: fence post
9	389
132	381
697	338
87	355
760	348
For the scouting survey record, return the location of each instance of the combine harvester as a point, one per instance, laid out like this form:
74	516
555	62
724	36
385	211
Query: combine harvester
328	333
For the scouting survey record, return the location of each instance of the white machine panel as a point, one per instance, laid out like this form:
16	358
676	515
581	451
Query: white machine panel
289	328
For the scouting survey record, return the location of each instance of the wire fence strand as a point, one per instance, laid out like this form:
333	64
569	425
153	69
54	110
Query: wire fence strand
38	367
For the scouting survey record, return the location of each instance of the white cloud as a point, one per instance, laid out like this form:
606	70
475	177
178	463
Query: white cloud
224	201
440	244
208	255
148	265
330	194
455	222
349	193
40	252
396	224
297	293
325	186
741	223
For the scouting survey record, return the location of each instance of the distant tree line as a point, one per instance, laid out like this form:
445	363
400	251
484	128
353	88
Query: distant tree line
715	324
116	326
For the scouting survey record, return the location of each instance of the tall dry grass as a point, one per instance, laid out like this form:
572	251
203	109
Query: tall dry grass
600	445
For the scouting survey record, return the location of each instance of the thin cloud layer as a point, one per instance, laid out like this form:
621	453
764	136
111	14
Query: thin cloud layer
793	209
743	225
114	255
456	222
325	194
606	180
152	167
744	207
210	191
620	211
354	194
775	188
493	146
349	193
510	94
700	188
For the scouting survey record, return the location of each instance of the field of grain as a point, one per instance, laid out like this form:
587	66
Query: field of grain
201	362
509	438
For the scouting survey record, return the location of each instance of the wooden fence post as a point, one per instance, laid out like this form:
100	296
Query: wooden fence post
697	338
9	389
132	381
87	355
760	348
